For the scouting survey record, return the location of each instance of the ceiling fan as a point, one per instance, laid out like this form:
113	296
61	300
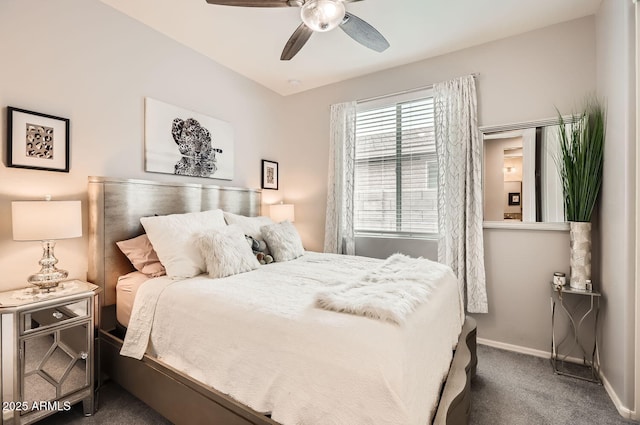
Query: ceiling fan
318	16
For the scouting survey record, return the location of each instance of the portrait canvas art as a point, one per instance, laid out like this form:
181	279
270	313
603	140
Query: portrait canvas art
183	142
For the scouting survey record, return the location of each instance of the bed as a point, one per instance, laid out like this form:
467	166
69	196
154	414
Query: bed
116	207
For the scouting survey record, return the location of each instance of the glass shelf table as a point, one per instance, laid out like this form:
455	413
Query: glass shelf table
582	312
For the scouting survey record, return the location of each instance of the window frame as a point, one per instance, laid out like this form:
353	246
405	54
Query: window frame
399	158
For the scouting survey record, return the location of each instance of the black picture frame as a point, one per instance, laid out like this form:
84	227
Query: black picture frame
269	174
37	141
514	198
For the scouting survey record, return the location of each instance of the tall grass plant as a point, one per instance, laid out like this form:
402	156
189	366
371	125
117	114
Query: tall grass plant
581	160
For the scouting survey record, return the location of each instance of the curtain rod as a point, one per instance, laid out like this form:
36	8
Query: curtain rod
430	86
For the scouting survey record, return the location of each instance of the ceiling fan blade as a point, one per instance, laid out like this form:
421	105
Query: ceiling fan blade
251	3
363	33
298	39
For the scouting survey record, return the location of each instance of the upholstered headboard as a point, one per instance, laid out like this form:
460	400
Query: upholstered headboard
115	208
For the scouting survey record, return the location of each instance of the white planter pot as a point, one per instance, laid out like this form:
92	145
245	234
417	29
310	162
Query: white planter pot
580	260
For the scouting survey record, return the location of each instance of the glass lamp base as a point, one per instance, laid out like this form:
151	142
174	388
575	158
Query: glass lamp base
48	280
49	275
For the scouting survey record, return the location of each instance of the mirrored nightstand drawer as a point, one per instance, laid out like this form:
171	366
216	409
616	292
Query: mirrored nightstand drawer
34	320
55	364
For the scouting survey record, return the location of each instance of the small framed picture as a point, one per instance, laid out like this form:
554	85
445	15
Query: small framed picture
269	174
514	198
37	141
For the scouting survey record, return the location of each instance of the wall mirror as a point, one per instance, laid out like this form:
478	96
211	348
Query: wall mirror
521	184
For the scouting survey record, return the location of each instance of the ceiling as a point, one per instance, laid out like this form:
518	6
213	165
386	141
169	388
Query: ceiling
250	40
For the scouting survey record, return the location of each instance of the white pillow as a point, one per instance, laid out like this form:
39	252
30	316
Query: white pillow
173	237
283	240
249	225
226	252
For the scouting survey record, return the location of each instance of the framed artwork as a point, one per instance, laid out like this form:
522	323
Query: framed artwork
182	142
37	141
514	198
269	174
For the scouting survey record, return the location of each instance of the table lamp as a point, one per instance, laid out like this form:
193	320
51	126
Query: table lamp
281	212
46	221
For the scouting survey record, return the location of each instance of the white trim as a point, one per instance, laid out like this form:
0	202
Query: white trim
523	350
623	411
488	129
523	225
514	348
528	175
636	413
399	236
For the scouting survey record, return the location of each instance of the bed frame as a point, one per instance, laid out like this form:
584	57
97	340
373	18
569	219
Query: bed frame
115	208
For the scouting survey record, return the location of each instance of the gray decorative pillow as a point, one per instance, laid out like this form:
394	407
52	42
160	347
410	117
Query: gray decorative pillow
226	252
283	240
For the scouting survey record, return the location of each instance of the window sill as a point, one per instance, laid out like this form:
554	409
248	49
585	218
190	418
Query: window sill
432	237
558	227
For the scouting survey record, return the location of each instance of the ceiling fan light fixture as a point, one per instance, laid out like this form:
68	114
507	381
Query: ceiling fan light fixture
322	15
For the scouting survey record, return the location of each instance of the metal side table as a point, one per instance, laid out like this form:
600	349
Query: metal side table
587	305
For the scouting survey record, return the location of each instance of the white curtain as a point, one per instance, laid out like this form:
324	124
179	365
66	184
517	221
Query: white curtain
459	151
338	233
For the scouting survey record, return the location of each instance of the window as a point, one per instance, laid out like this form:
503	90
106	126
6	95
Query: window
396	168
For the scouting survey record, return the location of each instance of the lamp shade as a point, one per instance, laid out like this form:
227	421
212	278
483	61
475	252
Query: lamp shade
46	220
282	212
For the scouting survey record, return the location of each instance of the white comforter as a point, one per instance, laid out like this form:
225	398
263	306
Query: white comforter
257	337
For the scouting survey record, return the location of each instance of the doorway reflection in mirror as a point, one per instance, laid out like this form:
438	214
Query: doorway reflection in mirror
521	181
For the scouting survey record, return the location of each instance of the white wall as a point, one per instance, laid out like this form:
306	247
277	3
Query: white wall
82	60
522	78
616	83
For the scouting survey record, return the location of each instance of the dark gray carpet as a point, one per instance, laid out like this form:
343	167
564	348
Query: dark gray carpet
509	389
115	407
516	389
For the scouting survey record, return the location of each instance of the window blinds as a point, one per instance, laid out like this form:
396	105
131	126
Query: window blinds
396	172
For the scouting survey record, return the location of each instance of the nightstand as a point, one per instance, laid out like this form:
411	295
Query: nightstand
47	351
583	309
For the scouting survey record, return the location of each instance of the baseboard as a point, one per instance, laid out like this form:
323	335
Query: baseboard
523	350
622	410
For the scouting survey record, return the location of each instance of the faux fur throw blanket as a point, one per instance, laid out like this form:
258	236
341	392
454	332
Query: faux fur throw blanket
389	292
